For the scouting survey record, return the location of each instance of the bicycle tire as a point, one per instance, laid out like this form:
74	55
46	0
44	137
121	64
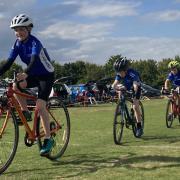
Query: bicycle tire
8	140
62	136
118	125
169	114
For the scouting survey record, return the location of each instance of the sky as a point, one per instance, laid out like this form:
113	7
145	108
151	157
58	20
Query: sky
94	30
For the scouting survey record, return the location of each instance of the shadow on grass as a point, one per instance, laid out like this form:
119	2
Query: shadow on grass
90	163
84	164
169	139
155	139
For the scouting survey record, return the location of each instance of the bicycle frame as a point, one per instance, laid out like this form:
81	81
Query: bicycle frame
122	100
175	107
13	103
59	124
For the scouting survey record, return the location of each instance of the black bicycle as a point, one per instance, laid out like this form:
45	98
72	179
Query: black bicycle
125	115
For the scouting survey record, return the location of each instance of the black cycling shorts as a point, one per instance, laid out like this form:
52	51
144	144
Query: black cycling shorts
44	84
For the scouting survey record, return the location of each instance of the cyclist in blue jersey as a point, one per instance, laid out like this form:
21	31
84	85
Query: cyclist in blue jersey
130	80
39	72
173	78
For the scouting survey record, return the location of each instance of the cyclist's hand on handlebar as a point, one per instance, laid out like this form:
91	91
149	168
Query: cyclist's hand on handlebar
120	87
21	76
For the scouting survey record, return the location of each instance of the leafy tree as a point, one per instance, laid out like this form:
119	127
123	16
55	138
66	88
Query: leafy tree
163	71
58	69
93	72
76	69
152	72
177	58
147	70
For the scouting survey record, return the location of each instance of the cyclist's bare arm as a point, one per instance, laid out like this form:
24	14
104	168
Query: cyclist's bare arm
136	85
115	83
166	84
117	86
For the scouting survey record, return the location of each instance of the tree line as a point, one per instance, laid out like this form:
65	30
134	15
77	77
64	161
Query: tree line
152	72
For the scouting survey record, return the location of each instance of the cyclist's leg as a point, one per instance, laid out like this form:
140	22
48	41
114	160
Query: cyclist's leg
29	82
176	102
137	110
41	106
44	90
136	107
20	99
177	96
137	94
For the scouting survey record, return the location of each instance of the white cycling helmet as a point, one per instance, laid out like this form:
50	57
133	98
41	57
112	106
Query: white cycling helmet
21	20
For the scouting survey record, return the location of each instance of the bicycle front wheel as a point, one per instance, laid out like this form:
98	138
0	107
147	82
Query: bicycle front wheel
59	126
118	125
169	114
9	136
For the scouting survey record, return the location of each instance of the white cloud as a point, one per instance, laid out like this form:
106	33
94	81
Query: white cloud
71	30
149	48
1	16
168	15
86	29
98	50
109	9
69	2
18	4
11	8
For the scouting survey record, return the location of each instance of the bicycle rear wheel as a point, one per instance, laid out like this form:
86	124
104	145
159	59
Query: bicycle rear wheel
118	124
9	137
60	123
169	113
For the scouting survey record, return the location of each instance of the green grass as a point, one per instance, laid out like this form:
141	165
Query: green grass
92	154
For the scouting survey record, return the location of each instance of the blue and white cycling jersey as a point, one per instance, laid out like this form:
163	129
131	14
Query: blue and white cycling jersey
175	79
25	50
130	77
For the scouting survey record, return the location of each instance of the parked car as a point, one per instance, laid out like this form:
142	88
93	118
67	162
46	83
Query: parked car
149	91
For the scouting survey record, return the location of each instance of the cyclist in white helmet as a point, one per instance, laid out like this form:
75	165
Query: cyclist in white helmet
39	72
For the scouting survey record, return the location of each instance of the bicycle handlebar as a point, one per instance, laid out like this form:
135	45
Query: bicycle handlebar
14	80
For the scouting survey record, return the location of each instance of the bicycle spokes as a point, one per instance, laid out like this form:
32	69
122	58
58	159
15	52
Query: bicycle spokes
59	128
8	141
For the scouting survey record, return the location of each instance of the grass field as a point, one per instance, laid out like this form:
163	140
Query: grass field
92	154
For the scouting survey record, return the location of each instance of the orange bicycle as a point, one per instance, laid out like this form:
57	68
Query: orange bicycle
10	112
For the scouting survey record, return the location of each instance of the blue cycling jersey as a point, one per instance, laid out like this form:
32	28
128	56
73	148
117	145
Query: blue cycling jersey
25	50
128	80
175	79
